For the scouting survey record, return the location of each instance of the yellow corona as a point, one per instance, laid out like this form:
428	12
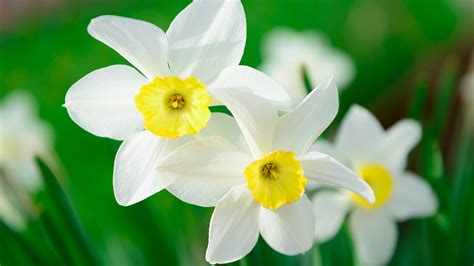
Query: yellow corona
173	107
381	182
276	179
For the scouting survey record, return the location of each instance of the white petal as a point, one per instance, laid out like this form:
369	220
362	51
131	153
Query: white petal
206	37
255	116
398	142
374	235
255	81
102	102
135	175
233	231
359	135
324	146
225	126
328	148
143	44
322	167
23	135
330	62
204	170
290	228
298	129
24	173
287	52
289	74
412	198
330	209
18	108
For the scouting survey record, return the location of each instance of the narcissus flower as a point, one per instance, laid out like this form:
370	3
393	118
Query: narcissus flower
22	137
379	157
258	183
169	93
288	54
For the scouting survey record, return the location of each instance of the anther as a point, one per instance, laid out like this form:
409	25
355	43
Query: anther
269	170
176	101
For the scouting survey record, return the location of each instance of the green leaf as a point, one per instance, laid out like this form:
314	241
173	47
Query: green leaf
220	109
339	250
13	250
57	238
61	222
307	82
445	99
461	198
419	100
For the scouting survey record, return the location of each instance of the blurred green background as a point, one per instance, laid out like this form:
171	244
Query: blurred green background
409	54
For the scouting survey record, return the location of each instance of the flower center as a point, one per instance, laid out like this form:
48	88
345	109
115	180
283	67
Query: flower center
276	179
380	180
173	107
176	101
269	170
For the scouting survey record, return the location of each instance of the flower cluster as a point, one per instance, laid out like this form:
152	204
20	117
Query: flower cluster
254	166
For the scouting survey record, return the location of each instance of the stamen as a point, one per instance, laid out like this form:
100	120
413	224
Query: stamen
269	170
176	101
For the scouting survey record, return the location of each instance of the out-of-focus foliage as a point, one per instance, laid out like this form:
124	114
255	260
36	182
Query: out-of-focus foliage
409	57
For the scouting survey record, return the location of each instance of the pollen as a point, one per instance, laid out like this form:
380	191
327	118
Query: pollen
276	179
173	107
269	170
380	180
176	101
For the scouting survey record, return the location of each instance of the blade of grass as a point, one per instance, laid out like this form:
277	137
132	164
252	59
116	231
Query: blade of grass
58	200
461	193
316	254
42	243
339	250
56	238
445	96
419	100
12	252
431	231
461	179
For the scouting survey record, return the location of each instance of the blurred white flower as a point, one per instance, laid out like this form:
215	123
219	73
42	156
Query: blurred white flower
10	214
286	53
178	76
379	157
22	137
259	187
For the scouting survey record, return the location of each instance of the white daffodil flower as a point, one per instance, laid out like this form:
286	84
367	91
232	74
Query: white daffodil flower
169	93
380	158
259	186
22	137
288	53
